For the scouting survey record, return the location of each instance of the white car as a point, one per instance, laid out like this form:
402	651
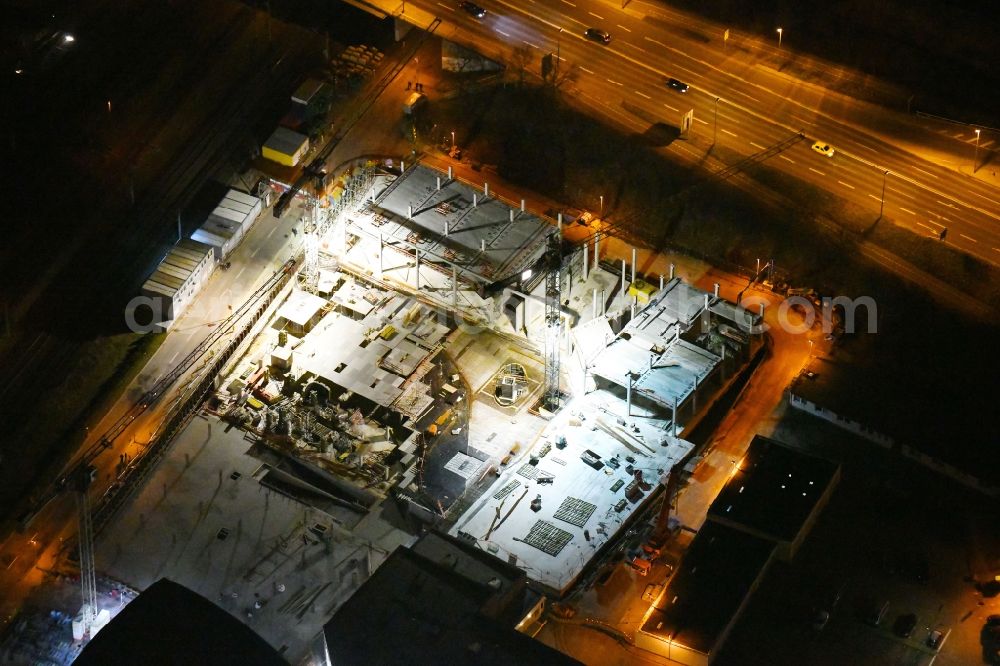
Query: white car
823	148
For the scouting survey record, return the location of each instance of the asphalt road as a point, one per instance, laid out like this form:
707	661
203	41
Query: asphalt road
757	107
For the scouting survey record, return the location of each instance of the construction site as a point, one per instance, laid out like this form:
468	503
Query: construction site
437	357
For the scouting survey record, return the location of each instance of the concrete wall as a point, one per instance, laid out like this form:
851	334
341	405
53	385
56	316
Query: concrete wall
858	429
675	652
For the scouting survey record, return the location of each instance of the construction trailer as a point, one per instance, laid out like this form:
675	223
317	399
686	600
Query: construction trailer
178	278
226	226
285	146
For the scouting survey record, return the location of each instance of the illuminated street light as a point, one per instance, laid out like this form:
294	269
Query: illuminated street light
779	37
975	157
558	56
881	206
453	139
715	122
601	214
68	38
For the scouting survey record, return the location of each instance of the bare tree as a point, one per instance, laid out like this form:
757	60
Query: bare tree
519	61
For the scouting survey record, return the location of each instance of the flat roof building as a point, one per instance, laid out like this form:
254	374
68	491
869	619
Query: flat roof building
440	601
691	619
776	493
763	513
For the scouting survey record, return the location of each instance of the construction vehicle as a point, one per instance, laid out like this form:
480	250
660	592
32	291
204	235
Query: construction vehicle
439	423
510	454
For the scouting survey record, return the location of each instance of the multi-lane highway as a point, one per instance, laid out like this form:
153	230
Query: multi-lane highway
741	103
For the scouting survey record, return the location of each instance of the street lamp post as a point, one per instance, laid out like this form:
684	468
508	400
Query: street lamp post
453	139
779	37
975	157
715	122
558	56
881	206
601	214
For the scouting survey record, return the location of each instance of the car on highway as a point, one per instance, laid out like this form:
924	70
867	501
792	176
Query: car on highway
598	35
679	86
904	625
823	148
472	9
934	639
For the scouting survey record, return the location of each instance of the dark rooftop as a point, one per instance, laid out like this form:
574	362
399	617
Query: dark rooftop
702	598
774	490
427	607
170	624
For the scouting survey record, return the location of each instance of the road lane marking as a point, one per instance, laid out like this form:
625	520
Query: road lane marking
996	249
787	159
441	4
757	145
655	41
173	358
589	71
946	205
728	132
254	253
874	150
505	34
817	171
241	272
614	82
988	199
642	95
846	184
902	194
699	120
907	210
926	172
571	4
596	15
638	48
928	227
271	232
740	92
875	198
624	28
534	46
672	108
969	238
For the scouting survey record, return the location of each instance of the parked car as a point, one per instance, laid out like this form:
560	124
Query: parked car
904	625
598	35
871	612
934	639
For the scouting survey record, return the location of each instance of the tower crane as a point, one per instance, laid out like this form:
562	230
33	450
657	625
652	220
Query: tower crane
82	472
